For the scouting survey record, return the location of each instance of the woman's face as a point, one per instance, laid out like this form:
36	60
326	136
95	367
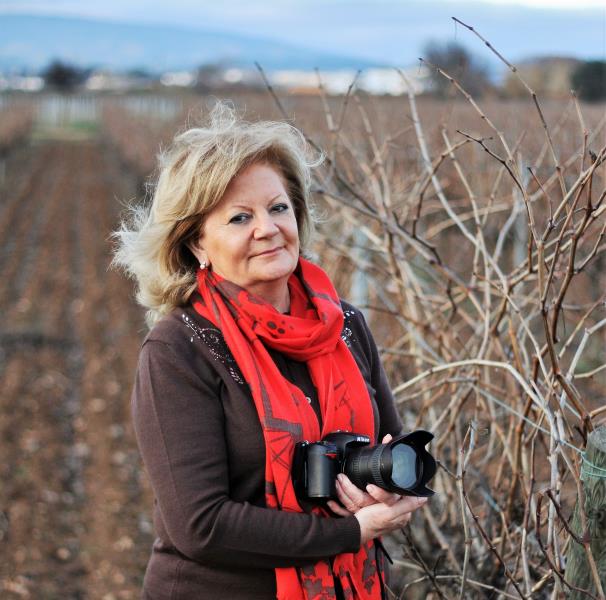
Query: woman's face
251	237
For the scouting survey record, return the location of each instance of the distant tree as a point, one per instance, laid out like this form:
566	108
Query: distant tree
139	73
62	76
548	76
589	80
459	63
209	77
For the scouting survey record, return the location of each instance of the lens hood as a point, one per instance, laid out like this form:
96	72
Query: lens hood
402	466
426	464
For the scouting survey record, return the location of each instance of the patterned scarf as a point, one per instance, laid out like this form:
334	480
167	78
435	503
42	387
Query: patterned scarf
310	333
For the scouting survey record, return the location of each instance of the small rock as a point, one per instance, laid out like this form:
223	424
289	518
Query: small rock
116	430
119	457
23	305
81	450
63	554
98	405
50	496
77	306
16	586
119	578
113	388
124	543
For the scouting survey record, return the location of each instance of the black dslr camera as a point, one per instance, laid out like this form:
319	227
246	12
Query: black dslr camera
403	465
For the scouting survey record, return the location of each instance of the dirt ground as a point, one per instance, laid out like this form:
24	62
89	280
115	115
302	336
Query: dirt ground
74	506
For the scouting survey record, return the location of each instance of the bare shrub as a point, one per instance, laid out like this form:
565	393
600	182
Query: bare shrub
474	237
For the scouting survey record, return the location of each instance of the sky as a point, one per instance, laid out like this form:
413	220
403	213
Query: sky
566	4
394	31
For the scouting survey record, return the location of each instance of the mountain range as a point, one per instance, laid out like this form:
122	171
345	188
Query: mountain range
31	42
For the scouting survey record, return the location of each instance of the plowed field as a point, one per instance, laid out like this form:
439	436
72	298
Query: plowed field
73	502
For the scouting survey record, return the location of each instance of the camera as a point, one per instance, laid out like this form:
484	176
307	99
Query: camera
402	465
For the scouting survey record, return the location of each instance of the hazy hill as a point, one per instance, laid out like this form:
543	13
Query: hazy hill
31	42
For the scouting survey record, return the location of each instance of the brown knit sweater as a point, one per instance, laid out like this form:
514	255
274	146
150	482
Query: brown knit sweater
202	445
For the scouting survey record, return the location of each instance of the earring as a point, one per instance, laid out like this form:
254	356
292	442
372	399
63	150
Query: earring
203	264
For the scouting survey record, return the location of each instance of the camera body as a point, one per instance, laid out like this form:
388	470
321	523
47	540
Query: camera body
402	465
317	464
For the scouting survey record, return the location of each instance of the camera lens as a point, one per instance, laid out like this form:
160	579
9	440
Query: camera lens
402	466
406	467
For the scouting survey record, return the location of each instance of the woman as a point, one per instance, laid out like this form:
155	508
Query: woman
251	351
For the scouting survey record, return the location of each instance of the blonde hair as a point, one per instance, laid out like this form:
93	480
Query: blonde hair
152	242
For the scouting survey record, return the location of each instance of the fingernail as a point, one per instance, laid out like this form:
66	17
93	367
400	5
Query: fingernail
421	500
340	477
370	488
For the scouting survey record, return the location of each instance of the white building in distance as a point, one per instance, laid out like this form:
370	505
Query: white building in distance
373	81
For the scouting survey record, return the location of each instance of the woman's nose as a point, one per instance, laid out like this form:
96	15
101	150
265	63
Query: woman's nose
265	226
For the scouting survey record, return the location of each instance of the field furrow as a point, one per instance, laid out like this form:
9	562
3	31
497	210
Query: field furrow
73	486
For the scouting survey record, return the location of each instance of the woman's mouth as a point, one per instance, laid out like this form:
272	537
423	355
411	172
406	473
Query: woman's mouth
270	252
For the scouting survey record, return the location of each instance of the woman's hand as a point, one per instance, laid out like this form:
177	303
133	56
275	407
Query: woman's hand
352	498
378	511
380	518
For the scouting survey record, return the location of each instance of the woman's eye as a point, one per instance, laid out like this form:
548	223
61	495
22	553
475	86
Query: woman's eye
239	218
280	207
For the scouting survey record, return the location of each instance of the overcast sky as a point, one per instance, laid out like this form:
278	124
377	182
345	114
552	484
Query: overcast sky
394	31
142	7
554	4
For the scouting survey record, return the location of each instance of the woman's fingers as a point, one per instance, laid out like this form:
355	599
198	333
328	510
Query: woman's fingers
344	498
380	518
381	495
336	508
352	497
408	504
401	511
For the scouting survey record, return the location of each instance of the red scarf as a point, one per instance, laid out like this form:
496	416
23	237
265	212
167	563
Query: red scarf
310	333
